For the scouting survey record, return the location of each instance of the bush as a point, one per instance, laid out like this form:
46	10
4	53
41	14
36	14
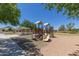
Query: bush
73	31
3	30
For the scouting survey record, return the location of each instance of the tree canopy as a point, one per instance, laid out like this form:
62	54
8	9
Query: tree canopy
62	28
27	23
9	13
69	9
70	26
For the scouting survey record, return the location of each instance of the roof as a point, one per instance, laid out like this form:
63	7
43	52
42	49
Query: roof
39	22
46	24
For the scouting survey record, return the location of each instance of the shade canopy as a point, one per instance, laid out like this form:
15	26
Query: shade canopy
39	22
46	24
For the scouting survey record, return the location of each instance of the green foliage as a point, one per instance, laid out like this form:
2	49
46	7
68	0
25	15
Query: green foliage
10	29
9	13
73	31
27	23
69	9
70	26
62	28
77	30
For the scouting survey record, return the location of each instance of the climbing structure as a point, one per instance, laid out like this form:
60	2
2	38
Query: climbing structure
43	31
38	34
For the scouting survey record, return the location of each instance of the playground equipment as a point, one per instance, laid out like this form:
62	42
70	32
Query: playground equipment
46	36
38	34
42	33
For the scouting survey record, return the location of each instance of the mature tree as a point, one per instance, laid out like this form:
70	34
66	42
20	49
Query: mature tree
70	26
69	9
27	23
9	13
62	28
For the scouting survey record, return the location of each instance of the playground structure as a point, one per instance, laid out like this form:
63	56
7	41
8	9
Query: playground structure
43	31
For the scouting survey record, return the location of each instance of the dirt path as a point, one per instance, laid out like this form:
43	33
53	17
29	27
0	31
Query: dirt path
62	45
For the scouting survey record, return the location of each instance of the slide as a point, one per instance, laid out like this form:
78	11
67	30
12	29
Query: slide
46	38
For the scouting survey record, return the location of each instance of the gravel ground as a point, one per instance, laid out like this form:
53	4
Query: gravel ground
10	48
14	45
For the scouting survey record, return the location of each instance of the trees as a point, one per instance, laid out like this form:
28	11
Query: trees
9	13
71	29
62	28
69	9
27	23
70	26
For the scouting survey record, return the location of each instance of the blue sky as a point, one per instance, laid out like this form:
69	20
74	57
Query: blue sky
35	12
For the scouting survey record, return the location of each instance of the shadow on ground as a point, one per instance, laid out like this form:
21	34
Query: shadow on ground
9	48
28	46
76	52
18	47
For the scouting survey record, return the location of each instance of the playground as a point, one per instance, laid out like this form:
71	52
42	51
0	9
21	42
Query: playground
43	32
43	38
22	43
39	29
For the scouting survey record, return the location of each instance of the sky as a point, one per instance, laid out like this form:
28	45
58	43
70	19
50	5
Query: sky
35	12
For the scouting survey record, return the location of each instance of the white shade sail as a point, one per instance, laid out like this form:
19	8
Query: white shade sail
39	22
46	24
